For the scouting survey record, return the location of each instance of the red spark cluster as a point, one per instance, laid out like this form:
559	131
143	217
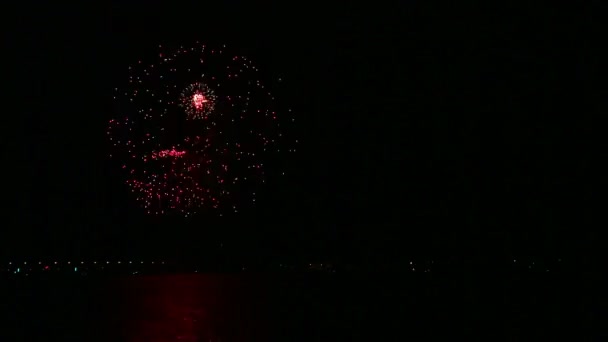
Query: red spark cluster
193	130
198	100
168	153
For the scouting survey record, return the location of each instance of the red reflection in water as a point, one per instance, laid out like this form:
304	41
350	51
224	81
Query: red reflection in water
185	308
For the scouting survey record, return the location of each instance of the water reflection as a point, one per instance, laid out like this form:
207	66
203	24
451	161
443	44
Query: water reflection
185	308
280	308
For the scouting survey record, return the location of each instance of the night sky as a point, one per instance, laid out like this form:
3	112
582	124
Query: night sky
423	131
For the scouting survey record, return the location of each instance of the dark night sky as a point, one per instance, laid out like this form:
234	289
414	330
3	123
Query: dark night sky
453	131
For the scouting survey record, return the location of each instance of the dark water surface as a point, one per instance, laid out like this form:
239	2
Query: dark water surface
288	308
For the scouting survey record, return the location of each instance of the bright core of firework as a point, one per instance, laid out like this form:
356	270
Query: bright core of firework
198	100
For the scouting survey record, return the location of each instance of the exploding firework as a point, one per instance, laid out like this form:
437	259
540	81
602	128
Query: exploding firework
198	100
193	130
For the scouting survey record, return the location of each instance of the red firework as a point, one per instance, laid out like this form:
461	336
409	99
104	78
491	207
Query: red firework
193	130
198	101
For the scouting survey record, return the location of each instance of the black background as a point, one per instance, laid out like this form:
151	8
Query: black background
452	131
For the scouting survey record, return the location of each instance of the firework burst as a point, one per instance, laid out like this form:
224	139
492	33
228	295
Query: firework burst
198	101
194	129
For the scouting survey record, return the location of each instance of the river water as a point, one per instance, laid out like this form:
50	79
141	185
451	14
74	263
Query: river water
198	307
